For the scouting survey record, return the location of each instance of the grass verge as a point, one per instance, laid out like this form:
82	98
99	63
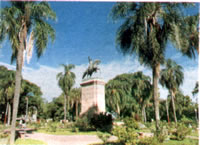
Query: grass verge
29	142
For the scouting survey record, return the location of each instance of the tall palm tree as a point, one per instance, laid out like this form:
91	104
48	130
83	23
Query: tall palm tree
18	21
146	29
171	78
66	81
142	91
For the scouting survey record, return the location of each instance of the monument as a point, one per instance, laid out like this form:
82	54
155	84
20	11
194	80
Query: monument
92	90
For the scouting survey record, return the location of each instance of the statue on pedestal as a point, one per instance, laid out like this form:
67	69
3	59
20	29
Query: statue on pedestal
93	67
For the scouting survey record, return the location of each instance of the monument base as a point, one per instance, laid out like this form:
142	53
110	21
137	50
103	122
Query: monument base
92	96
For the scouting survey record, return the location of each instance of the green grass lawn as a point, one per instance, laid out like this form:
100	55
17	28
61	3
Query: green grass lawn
184	142
170	142
29	142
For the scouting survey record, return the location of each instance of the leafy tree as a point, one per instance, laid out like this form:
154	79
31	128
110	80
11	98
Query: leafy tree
7	85
18	21
75	99
128	92
34	101
66	81
7	90
171	78
54	109
142	91
145	31
118	94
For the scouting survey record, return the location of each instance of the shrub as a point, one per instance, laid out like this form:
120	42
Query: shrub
148	141
125	135
182	131
102	122
160	136
51	127
162	133
4	135
83	124
103	137
187	121
131	123
35	125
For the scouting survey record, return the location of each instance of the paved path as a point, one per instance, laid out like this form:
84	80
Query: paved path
66	139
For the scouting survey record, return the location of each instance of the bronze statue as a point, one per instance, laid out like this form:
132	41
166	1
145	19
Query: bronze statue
91	68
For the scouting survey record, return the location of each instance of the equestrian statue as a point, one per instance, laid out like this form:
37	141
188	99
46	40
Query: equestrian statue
93	67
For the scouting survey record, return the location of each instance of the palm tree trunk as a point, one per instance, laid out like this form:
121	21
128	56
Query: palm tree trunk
143	113
118	109
76	110
65	101
18	77
68	104
156	71
173	106
6	114
167	112
9	114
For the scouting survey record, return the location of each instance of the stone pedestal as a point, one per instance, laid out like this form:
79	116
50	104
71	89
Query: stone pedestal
93	95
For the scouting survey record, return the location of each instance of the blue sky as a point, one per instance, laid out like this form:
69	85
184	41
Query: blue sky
84	29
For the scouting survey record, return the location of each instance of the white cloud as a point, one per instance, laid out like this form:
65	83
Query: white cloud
45	76
190	79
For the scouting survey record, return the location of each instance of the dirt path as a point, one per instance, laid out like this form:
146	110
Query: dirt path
66	139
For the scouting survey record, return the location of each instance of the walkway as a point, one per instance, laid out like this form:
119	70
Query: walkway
66	139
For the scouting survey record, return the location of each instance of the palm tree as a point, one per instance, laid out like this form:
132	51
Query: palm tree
190	36
66	81
171	78
117	95
142	90
18	21
196	89
75	97
146	31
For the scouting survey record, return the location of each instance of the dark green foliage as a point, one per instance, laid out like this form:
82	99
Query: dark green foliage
102	122
125	135
127	93
188	121
51	127
182	131
103	137
7	86
35	126
148	141
75	129
131	123
160	134
83	124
